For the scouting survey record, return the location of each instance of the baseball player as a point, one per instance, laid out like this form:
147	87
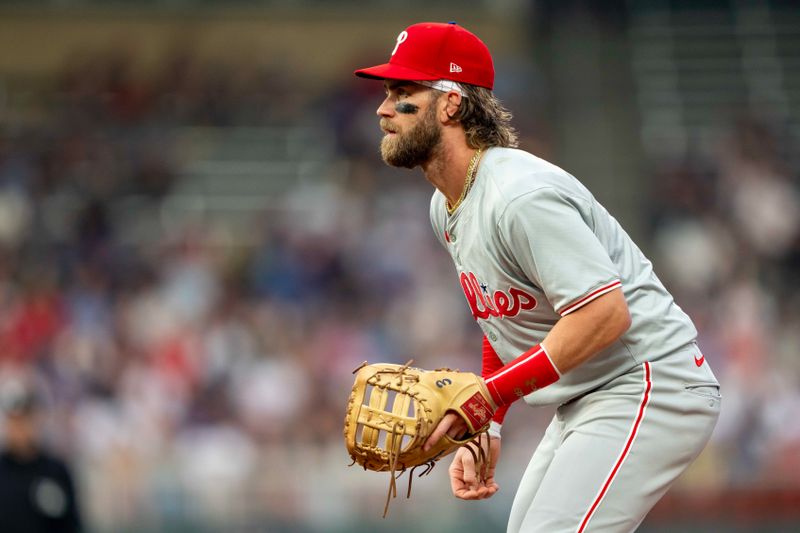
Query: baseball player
572	312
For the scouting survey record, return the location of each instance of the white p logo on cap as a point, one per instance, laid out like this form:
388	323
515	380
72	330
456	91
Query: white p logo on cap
400	40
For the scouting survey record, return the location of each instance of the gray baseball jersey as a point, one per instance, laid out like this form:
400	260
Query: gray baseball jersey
531	244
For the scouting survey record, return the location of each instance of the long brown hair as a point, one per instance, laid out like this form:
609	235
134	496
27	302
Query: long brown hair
486	122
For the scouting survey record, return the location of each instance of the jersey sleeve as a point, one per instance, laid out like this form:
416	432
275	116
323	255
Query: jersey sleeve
437	223
550	236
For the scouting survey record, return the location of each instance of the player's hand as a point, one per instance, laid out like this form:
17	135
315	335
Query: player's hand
464	479
451	425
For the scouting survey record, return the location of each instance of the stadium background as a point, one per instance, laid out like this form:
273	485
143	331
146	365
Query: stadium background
199	242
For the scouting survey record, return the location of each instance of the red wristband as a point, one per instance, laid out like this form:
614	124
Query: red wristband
528	372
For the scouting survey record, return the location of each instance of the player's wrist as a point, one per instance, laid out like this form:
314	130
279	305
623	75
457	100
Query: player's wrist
530	371
494	429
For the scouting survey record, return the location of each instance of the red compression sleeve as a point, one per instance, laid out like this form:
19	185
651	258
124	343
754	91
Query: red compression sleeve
491	364
528	372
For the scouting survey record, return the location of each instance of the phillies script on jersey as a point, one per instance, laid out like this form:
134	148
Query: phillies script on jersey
498	304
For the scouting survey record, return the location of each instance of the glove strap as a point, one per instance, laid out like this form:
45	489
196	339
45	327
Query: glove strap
530	371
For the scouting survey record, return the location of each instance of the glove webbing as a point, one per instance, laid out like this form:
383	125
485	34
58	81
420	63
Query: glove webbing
394	439
379	397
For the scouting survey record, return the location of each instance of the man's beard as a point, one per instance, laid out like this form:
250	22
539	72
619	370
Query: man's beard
414	148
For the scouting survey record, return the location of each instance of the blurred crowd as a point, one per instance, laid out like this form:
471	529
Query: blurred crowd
185	378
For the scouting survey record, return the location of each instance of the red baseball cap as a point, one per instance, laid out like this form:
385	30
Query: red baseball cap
436	51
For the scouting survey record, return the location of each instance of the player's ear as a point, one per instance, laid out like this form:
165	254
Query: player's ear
452	102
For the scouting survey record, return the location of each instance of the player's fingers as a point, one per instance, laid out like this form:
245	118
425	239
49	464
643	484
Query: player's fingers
481	493
477	492
467	494
470	475
456	472
458	429
464	488
440	431
488	490
464	481
457	485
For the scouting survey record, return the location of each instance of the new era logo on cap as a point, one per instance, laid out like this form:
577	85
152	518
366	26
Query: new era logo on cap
432	51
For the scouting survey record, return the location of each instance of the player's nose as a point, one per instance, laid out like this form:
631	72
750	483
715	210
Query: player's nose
386	109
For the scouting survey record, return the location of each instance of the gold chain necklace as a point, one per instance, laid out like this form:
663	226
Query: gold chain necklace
471	171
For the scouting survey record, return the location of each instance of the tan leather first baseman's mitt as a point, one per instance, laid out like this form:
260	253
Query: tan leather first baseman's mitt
393	409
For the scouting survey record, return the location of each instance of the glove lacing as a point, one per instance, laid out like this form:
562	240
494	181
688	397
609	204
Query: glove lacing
479	458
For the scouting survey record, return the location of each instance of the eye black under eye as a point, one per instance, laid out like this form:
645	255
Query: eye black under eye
406	108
